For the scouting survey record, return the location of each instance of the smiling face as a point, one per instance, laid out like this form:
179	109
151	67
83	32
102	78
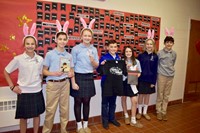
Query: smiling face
112	48
61	40
29	44
86	36
128	53
149	46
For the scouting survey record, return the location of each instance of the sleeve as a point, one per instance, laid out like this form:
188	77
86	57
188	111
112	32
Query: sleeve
139	66
74	51
12	66
99	68
71	61
41	66
47	60
155	69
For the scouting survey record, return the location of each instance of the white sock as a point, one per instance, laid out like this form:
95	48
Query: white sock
145	109
140	108
79	125
85	124
133	120
126	115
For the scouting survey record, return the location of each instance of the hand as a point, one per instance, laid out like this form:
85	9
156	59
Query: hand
91	58
152	85
17	90
75	86
128	65
70	74
103	62
57	73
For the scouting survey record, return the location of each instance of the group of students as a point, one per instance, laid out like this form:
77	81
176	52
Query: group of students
82	61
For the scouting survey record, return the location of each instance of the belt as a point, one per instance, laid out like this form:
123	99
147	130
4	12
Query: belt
60	80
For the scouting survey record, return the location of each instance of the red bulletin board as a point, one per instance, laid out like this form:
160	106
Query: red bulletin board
126	28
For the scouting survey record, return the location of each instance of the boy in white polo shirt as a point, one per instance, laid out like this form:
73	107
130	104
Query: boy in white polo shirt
30	101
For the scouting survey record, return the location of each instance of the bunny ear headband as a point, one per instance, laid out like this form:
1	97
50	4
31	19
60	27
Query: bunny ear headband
62	29
150	35
89	27
32	31
169	32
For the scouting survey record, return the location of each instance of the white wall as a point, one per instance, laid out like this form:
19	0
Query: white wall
176	13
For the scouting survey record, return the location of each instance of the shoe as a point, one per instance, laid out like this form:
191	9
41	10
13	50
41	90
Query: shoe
164	117
80	131
87	130
116	123
105	126
146	116
137	124
138	116
159	116
127	121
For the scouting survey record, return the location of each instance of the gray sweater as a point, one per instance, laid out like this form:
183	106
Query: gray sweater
166	62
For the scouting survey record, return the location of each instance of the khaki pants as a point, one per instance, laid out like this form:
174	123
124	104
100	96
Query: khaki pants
57	93
164	85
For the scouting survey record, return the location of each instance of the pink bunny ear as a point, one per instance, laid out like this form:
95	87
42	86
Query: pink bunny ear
59	27
83	22
33	28
152	34
149	34
172	31
167	32
91	23
65	26
25	29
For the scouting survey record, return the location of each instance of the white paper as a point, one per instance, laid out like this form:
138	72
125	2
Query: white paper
134	89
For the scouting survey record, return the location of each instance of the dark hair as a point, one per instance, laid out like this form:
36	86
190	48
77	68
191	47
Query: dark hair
61	33
111	42
169	39
132	57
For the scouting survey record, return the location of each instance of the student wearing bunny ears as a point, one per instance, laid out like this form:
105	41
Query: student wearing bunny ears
58	85
85	59
30	100
147	80
166	72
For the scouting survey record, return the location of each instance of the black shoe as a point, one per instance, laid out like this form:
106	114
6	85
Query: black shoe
116	123
105	126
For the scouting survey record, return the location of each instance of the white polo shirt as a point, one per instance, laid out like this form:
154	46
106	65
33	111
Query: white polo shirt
30	69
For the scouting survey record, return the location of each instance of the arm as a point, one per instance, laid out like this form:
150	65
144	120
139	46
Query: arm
14	88
48	73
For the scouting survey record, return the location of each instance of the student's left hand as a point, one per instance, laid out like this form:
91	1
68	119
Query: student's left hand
152	85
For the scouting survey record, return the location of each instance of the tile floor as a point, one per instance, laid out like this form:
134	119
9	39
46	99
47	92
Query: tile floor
182	118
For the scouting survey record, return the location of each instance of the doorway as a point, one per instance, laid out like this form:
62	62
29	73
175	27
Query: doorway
192	84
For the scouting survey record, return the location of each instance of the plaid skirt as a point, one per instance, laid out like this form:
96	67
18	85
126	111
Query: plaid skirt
86	86
144	88
29	105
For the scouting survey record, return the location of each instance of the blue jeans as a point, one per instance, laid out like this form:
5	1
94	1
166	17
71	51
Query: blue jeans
108	106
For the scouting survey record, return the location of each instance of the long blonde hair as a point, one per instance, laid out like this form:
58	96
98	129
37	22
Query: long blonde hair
154	45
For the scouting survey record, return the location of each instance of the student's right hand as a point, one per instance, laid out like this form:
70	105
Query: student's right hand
17	90
103	62
75	86
57	73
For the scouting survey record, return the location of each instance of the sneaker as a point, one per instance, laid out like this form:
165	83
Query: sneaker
116	123
159	116
137	124
146	116
127	121
105	126
80	131
164	117
87	130
138	116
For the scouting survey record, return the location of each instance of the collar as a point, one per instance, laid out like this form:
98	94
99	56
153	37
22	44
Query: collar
28	57
167	51
60	53
83	46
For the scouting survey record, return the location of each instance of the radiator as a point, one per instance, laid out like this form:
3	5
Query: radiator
7	112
